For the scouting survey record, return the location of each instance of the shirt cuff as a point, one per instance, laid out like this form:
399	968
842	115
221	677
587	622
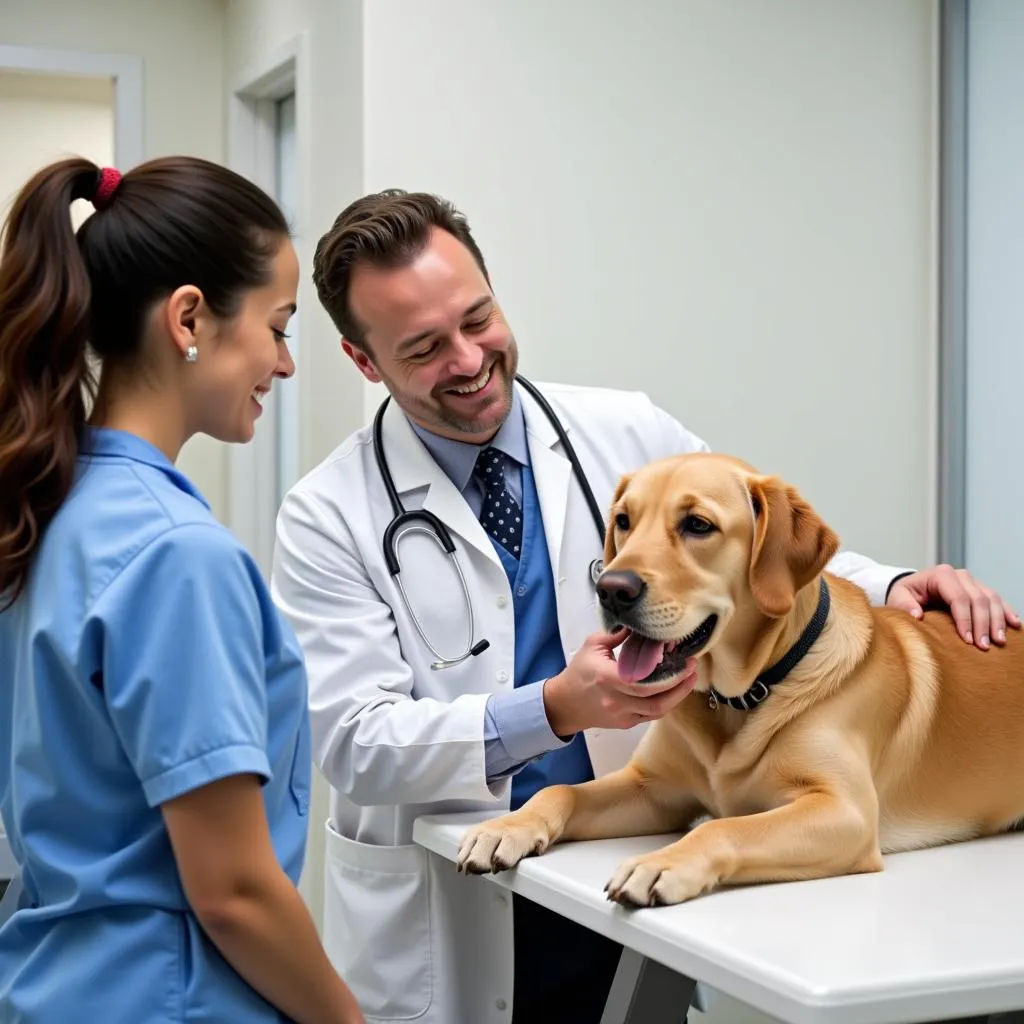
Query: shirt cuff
239	759
516	730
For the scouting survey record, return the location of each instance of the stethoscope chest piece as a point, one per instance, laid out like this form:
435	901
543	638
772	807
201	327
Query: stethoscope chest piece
596	568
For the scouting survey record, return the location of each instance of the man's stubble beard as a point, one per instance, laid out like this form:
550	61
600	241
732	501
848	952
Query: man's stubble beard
435	412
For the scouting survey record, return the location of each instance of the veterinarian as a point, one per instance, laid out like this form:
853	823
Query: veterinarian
470	679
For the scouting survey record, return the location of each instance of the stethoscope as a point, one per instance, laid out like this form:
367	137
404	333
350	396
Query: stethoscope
439	532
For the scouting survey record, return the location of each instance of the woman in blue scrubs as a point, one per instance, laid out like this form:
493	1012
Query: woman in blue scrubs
154	746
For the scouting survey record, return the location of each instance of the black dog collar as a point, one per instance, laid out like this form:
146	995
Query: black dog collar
761	686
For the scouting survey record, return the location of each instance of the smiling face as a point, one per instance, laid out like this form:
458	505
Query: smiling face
694	543
437	338
237	365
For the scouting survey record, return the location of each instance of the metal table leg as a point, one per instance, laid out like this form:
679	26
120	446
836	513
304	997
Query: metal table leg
646	992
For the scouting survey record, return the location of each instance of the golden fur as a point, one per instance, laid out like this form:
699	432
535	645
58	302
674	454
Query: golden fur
891	734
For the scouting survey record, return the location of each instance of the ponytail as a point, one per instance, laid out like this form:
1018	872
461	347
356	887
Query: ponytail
44	372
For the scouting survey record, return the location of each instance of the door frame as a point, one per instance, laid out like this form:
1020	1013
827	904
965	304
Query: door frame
251	475
952	398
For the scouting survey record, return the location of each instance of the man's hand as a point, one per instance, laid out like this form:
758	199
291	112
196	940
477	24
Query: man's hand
980	614
589	692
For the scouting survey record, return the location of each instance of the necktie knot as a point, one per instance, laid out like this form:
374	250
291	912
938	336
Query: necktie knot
490	469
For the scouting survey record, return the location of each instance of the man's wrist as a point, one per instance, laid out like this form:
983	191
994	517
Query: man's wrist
892	583
554	693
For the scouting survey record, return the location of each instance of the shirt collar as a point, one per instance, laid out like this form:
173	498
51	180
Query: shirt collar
457	458
107	442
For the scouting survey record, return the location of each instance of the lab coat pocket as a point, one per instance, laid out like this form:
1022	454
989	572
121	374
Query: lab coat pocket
377	925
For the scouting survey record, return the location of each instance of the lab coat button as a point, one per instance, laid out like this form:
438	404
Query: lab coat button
502	601
502	676
501	1004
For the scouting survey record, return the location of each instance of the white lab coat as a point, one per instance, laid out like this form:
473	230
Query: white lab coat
395	739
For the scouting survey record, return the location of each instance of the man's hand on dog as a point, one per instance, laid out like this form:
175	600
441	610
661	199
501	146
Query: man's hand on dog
980	614
590	694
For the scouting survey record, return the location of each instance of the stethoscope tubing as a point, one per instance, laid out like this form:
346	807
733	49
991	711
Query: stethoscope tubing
433	526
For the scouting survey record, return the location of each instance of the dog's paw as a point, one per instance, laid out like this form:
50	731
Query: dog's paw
656	880
500	844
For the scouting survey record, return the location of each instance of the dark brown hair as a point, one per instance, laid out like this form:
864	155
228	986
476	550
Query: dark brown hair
386	229
173	221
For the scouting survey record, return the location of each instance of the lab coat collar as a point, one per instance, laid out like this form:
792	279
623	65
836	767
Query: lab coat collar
413	468
107	442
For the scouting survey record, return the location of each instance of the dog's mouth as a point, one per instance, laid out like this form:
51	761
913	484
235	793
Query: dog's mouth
645	660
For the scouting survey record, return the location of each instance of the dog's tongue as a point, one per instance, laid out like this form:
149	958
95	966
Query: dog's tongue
639	657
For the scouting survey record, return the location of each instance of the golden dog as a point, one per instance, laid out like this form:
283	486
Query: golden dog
885	733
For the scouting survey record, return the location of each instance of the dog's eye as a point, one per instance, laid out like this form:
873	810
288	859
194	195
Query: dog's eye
622	521
698	526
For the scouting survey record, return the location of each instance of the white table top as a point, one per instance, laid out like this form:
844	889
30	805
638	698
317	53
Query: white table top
938	934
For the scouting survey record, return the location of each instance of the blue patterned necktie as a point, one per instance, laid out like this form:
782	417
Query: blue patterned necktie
500	514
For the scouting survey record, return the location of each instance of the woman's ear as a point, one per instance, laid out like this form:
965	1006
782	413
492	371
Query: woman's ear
187	318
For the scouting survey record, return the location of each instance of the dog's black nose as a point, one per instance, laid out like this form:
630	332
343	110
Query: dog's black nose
619	591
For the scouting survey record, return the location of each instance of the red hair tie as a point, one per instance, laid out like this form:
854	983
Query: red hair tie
106	186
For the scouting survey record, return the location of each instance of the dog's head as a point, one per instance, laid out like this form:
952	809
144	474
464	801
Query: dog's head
693	542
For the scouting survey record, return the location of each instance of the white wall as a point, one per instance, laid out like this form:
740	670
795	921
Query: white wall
995	300
728	205
182	48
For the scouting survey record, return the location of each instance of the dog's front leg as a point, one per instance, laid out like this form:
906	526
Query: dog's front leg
628	802
819	834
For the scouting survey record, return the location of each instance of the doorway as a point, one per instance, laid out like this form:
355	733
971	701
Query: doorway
44	117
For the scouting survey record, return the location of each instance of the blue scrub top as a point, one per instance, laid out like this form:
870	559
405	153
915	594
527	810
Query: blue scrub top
144	659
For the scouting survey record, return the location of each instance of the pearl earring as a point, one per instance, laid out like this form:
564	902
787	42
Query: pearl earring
192	354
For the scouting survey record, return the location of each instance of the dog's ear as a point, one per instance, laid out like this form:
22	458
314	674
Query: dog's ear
609	532
792	545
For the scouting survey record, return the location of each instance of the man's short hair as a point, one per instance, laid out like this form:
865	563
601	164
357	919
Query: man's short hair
385	229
